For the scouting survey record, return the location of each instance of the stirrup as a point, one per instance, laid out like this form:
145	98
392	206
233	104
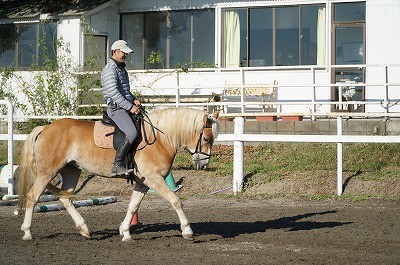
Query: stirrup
118	171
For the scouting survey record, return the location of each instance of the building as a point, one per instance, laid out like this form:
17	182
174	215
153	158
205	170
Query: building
318	53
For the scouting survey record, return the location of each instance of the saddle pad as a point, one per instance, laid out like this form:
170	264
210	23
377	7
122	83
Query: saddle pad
103	135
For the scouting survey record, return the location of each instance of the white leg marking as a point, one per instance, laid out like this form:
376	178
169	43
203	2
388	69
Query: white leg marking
136	198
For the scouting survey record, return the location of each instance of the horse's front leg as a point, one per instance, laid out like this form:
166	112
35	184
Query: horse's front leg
137	197
162	189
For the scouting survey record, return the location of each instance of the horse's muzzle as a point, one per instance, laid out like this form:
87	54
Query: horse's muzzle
200	161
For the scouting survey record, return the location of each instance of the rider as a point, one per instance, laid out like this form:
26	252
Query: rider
120	101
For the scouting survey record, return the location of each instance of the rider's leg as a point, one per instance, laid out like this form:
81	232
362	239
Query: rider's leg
119	167
123	120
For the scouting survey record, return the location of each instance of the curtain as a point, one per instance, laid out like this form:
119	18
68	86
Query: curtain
232	39
321	34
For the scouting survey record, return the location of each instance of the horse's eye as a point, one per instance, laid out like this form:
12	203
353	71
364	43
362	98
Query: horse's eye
206	139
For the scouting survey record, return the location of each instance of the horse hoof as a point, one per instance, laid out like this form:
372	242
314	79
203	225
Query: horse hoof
187	233
126	238
27	237
85	234
188	237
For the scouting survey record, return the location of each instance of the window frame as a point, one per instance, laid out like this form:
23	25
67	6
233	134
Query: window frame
166	64
36	46
274	32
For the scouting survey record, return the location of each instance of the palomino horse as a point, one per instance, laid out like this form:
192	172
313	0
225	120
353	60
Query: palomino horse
66	146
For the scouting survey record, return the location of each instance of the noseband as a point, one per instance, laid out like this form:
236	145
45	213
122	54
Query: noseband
197	150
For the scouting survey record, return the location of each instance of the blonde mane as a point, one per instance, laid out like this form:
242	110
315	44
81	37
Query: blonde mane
179	124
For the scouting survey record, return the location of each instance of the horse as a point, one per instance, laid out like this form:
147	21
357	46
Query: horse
66	146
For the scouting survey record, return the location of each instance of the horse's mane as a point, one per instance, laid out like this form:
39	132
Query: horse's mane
180	124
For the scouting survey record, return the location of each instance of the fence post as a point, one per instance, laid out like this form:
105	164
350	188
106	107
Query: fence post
386	100
339	157
313	107
10	145
242	91
177	91
238	160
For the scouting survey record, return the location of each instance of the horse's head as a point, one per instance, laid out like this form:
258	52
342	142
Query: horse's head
200	147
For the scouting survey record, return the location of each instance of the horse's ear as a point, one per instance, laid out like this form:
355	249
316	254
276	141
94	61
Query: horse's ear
215	114
205	119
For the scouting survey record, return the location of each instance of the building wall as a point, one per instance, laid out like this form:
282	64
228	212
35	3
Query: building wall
383	31
382	38
382	48
69	30
105	23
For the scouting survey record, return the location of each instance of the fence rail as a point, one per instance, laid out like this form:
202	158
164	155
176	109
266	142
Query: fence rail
311	88
238	138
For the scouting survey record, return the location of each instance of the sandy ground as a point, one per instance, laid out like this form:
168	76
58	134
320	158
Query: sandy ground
228	229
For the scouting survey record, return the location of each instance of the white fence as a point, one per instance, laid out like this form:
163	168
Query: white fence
10	144
306	89
238	138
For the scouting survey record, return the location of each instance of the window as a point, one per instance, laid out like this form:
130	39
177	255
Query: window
27	45
274	36
261	41
95	52
348	48
182	37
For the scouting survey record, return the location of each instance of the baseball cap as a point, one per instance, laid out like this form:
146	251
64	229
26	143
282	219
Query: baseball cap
121	45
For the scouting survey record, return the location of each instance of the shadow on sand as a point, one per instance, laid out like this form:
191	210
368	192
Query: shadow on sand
234	229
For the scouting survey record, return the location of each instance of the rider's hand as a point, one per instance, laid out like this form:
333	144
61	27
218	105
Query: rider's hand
135	109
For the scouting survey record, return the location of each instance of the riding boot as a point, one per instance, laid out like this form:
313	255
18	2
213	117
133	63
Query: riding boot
119	167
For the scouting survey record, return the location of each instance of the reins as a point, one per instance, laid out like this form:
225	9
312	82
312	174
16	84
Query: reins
143	116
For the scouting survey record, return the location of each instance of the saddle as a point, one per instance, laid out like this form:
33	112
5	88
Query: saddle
108	135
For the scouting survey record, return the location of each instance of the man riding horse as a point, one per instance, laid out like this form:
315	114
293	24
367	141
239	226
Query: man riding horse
121	103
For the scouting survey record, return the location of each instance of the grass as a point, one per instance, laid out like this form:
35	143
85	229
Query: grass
367	161
276	161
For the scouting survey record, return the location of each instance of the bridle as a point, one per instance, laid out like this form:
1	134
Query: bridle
197	150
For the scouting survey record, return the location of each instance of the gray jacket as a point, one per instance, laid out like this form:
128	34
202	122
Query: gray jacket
116	88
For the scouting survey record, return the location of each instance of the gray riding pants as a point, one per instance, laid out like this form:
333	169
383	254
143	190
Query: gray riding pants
123	120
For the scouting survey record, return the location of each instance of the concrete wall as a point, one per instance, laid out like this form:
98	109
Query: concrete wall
319	127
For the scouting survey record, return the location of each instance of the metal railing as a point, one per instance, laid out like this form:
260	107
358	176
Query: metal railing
177	85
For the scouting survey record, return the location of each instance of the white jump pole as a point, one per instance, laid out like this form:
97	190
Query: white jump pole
339	157
238	153
44	198
58	207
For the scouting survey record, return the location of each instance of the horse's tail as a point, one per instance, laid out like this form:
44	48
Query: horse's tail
27	172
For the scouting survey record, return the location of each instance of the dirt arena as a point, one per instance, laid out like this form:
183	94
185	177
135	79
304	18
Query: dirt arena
228	230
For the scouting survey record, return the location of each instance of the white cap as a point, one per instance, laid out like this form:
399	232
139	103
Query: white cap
121	45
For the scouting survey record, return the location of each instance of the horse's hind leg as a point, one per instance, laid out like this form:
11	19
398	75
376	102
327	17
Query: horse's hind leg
31	199
70	176
137	197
